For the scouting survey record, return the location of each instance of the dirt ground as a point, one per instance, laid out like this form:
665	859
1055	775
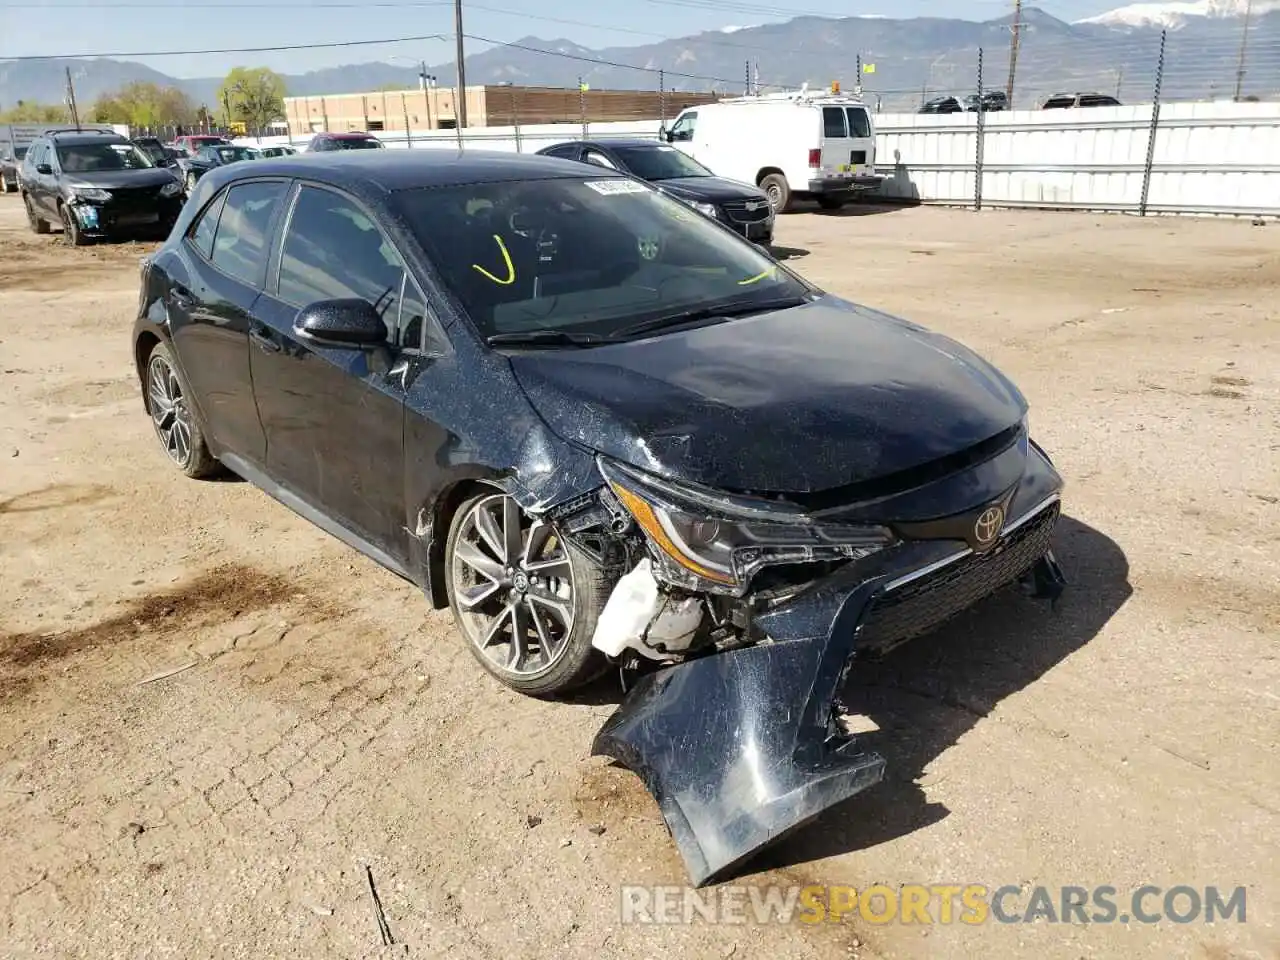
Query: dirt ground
331	722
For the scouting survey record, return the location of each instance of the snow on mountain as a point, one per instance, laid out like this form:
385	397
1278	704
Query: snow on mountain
1174	14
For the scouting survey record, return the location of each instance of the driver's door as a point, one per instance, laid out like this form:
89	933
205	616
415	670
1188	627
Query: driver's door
334	417
682	132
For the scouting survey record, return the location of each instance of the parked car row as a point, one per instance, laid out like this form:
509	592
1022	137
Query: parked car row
997	100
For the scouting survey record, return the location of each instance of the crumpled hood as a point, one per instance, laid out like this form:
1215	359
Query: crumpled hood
121	179
799	400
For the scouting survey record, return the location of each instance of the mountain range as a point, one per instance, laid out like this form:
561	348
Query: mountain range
1116	51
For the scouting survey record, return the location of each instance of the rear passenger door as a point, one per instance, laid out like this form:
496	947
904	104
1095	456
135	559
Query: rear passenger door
225	254
334	417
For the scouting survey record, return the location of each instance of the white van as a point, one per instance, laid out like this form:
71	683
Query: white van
820	145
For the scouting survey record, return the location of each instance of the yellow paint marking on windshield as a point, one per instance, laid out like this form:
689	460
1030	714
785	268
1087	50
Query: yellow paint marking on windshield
506	257
758	277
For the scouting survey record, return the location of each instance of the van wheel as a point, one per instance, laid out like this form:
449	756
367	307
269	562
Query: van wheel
830	203
776	189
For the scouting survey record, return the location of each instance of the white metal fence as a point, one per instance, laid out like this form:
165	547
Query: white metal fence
1209	158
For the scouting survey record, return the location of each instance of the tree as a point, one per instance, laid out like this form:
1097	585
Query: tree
253	96
27	111
142	104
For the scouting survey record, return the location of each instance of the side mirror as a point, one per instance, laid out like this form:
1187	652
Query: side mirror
341	323
668	136
44	169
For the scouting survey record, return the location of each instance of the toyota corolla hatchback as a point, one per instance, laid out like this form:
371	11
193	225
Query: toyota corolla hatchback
602	429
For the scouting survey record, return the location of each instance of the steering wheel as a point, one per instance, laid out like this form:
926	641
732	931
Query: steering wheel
525	222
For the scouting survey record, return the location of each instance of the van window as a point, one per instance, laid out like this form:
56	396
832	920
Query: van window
833	123
859	122
682	129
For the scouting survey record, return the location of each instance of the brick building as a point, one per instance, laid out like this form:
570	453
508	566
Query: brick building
394	111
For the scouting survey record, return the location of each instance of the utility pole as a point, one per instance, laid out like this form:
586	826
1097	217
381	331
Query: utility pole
462	68
1244	49
71	100
1014	41
748	76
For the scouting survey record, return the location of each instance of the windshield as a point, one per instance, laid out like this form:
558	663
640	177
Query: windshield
19	152
585	256
359	144
97	157
660	163
234	154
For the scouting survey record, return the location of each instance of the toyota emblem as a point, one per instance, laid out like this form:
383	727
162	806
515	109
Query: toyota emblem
988	526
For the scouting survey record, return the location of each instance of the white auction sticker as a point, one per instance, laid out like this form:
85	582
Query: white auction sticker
611	188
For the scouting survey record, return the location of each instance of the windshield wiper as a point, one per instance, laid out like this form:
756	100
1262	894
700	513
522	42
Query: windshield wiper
722	311
544	338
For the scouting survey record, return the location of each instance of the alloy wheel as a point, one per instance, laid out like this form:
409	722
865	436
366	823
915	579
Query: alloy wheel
513	587
169	411
774	195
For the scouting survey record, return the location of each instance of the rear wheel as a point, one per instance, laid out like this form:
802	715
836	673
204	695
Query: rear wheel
174	420
526	600
775	187
831	203
38	223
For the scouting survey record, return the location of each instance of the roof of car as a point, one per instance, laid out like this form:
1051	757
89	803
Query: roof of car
392	170
353	135
86	136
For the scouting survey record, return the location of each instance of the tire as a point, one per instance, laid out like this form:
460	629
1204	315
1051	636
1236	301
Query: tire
71	232
189	183
778	191
37	223
536	592
6	186
170	413
831	203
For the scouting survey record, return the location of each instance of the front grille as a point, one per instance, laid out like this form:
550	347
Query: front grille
737	211
134	200
919	606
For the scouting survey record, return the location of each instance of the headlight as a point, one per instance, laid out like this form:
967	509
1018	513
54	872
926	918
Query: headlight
171	189
706	209
90	194
718	542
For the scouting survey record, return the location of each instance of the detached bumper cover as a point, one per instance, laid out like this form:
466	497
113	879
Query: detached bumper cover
740	748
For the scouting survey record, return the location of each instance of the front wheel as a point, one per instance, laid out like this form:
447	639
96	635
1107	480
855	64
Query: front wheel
191	183
71	231
526	600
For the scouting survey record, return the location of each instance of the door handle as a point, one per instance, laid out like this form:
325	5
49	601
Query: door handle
264	340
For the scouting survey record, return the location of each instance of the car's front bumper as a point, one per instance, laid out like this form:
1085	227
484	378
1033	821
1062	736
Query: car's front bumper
104	219
740	747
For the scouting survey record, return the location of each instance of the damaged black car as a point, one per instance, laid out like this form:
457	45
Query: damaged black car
608	434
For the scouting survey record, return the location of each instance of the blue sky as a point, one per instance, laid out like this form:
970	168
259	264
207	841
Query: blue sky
128	26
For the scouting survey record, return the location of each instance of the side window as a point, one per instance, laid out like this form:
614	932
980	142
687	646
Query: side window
599	159
334	251
833	123
568	151
682	129
206	226
413	316
241	243
859	122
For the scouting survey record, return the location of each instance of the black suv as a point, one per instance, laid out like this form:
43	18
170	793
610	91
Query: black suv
96	185
741	207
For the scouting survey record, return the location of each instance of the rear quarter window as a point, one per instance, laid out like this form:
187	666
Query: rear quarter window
833	124
859	122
